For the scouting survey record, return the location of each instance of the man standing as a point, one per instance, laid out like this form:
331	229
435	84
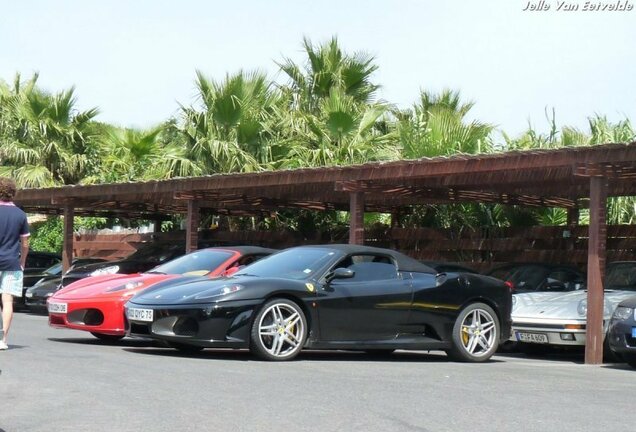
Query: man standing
14	247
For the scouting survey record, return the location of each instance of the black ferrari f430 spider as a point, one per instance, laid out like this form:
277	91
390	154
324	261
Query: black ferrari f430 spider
329	297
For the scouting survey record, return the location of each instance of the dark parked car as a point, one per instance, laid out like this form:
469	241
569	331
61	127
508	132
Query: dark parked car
622	331
443	267
329	297
143	259
38	287
37	262
529	277
33	276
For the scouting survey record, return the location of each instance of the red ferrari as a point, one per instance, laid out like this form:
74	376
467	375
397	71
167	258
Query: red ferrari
96	304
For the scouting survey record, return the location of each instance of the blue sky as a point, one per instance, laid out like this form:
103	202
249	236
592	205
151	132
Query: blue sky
136	60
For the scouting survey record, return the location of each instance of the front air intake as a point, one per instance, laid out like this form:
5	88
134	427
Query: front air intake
185	327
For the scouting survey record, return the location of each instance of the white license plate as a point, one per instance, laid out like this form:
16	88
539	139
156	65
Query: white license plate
532	337
57	308
28	295
140	314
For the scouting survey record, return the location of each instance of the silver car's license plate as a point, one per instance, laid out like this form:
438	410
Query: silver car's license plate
532	337
140	314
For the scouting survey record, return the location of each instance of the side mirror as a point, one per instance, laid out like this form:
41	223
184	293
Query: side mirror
231	271
340	273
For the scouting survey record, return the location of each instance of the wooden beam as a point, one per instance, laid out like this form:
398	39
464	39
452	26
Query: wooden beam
452	194
356	218
615	170
595	270
67	238
192	226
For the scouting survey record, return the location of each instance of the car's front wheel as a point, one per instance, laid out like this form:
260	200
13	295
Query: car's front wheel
475	334
279	330
630	359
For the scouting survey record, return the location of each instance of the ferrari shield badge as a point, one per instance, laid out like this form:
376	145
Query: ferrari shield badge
310	287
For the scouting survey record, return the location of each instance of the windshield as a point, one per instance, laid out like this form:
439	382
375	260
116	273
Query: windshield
55	269
297	263
158	252
621	276
524	278
200	262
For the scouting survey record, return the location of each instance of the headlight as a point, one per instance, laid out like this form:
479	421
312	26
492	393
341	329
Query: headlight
582	308
227	289
231	288
622	313
127	286
105	271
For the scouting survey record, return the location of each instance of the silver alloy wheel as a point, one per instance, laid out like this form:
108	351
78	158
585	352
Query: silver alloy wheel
478	332
281	330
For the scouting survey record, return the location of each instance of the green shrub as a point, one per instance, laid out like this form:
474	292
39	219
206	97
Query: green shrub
48	235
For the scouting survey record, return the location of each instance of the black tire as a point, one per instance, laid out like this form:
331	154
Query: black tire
107	337
630	359
278	346
609	356
533	349
509	347
487	324
185	348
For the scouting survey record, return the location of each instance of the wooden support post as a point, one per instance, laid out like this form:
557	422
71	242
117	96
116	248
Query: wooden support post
396	221
157	225
595	271
573	216
67	238
192	226
356	218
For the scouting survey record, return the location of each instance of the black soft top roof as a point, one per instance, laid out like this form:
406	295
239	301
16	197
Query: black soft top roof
404	263
245	250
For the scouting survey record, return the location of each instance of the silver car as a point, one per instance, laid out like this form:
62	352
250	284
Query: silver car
559	318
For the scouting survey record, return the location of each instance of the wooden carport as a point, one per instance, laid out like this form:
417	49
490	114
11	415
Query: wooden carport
569	178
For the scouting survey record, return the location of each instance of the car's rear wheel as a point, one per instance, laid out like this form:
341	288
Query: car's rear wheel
279	330
475	334
107	337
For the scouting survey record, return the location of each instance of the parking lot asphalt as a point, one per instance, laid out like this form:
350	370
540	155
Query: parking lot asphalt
64	380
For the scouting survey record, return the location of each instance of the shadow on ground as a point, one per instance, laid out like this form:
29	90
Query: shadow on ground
126	342
307	355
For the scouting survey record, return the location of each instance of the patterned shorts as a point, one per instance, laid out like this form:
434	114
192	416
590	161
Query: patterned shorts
11	282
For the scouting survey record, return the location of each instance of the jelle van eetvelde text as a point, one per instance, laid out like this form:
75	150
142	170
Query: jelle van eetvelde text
578	6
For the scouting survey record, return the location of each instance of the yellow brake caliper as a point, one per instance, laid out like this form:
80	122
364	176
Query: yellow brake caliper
465	336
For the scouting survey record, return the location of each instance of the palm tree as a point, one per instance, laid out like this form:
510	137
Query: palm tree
130	155
437	126
331	118
340	132
327	67
45	140
236	127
